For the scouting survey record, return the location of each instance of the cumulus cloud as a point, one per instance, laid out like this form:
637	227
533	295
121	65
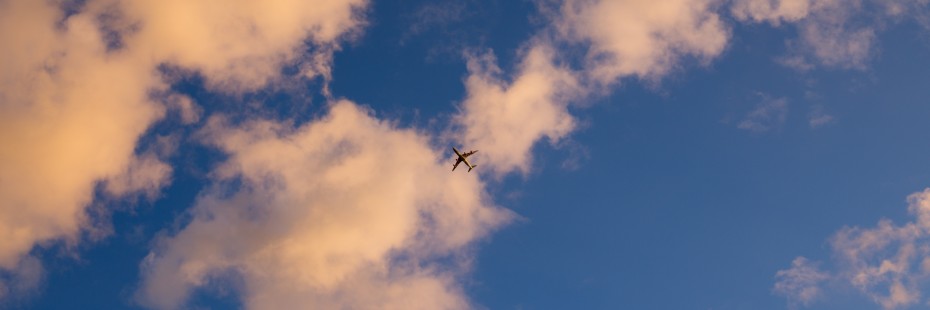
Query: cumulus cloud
313	214
237	45
641	38
508	118
770	114
888	263
800	284
349	211
343	212
75	92
69	116
630	38
833	33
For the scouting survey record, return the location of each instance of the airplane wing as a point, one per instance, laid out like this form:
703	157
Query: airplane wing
457	162
469	153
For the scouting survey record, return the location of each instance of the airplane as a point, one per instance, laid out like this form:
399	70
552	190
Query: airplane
461	158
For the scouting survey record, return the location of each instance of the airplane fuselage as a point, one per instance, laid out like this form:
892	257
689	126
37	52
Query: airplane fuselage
462	158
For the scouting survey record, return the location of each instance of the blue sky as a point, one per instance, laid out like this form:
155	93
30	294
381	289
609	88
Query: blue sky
741	154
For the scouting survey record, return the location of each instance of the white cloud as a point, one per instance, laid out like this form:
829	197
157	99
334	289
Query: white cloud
800	284
75	92
641	38
770	114
343	212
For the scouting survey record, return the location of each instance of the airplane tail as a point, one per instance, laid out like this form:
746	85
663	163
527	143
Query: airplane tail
472	167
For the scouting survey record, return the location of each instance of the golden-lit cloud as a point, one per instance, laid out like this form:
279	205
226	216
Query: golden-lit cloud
69	117
349	211
507	114
75	92
642	38
507	118
346	211
236	45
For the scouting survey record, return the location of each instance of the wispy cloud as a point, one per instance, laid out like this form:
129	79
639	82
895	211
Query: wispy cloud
800	284
23	280
770	114
888	263
832	33
818	117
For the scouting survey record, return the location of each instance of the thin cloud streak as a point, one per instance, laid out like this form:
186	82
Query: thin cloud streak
818	117
770	114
